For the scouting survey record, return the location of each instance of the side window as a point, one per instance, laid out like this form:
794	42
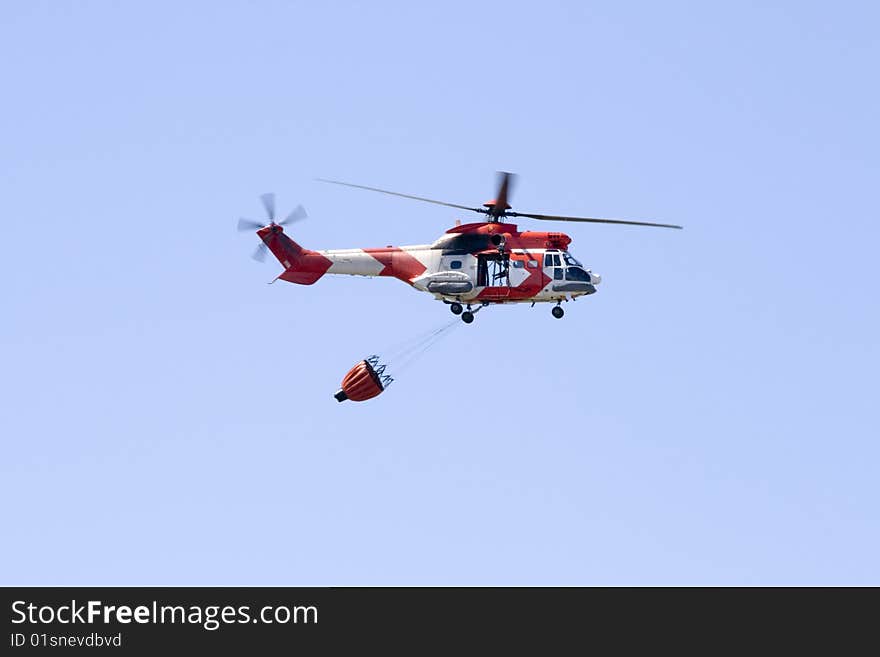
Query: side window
533	264
556	260
548	259
455	264
518	264
557	273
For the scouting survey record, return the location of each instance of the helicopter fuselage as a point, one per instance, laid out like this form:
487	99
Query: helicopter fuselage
477	263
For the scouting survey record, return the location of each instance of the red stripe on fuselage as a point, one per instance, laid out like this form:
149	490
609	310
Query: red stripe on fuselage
398	263
531	286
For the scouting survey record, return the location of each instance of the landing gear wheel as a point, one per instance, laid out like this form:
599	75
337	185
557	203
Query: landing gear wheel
455	308
558	312
467	317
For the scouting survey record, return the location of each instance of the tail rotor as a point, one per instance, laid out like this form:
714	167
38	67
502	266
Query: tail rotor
250	225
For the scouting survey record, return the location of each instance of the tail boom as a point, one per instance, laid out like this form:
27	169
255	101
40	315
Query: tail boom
304	266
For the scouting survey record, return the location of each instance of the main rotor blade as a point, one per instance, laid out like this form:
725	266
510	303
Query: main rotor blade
259	253
248	224
299	212
415	198
550	217
505	187
269	203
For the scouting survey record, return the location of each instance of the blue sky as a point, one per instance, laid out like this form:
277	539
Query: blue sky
709	417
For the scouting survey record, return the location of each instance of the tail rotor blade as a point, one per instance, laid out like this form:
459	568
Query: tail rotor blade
248	225
298	213
259	253
269	203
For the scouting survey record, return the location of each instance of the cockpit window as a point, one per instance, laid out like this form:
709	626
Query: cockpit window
571	260
577	274
552	259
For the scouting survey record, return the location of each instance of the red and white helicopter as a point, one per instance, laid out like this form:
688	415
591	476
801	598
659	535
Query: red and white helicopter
469	267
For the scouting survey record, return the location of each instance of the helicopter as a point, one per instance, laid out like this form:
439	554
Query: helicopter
469	267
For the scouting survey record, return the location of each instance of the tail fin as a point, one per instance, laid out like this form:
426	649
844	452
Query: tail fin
301	265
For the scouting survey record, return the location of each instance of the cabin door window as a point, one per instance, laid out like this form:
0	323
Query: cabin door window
493	270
